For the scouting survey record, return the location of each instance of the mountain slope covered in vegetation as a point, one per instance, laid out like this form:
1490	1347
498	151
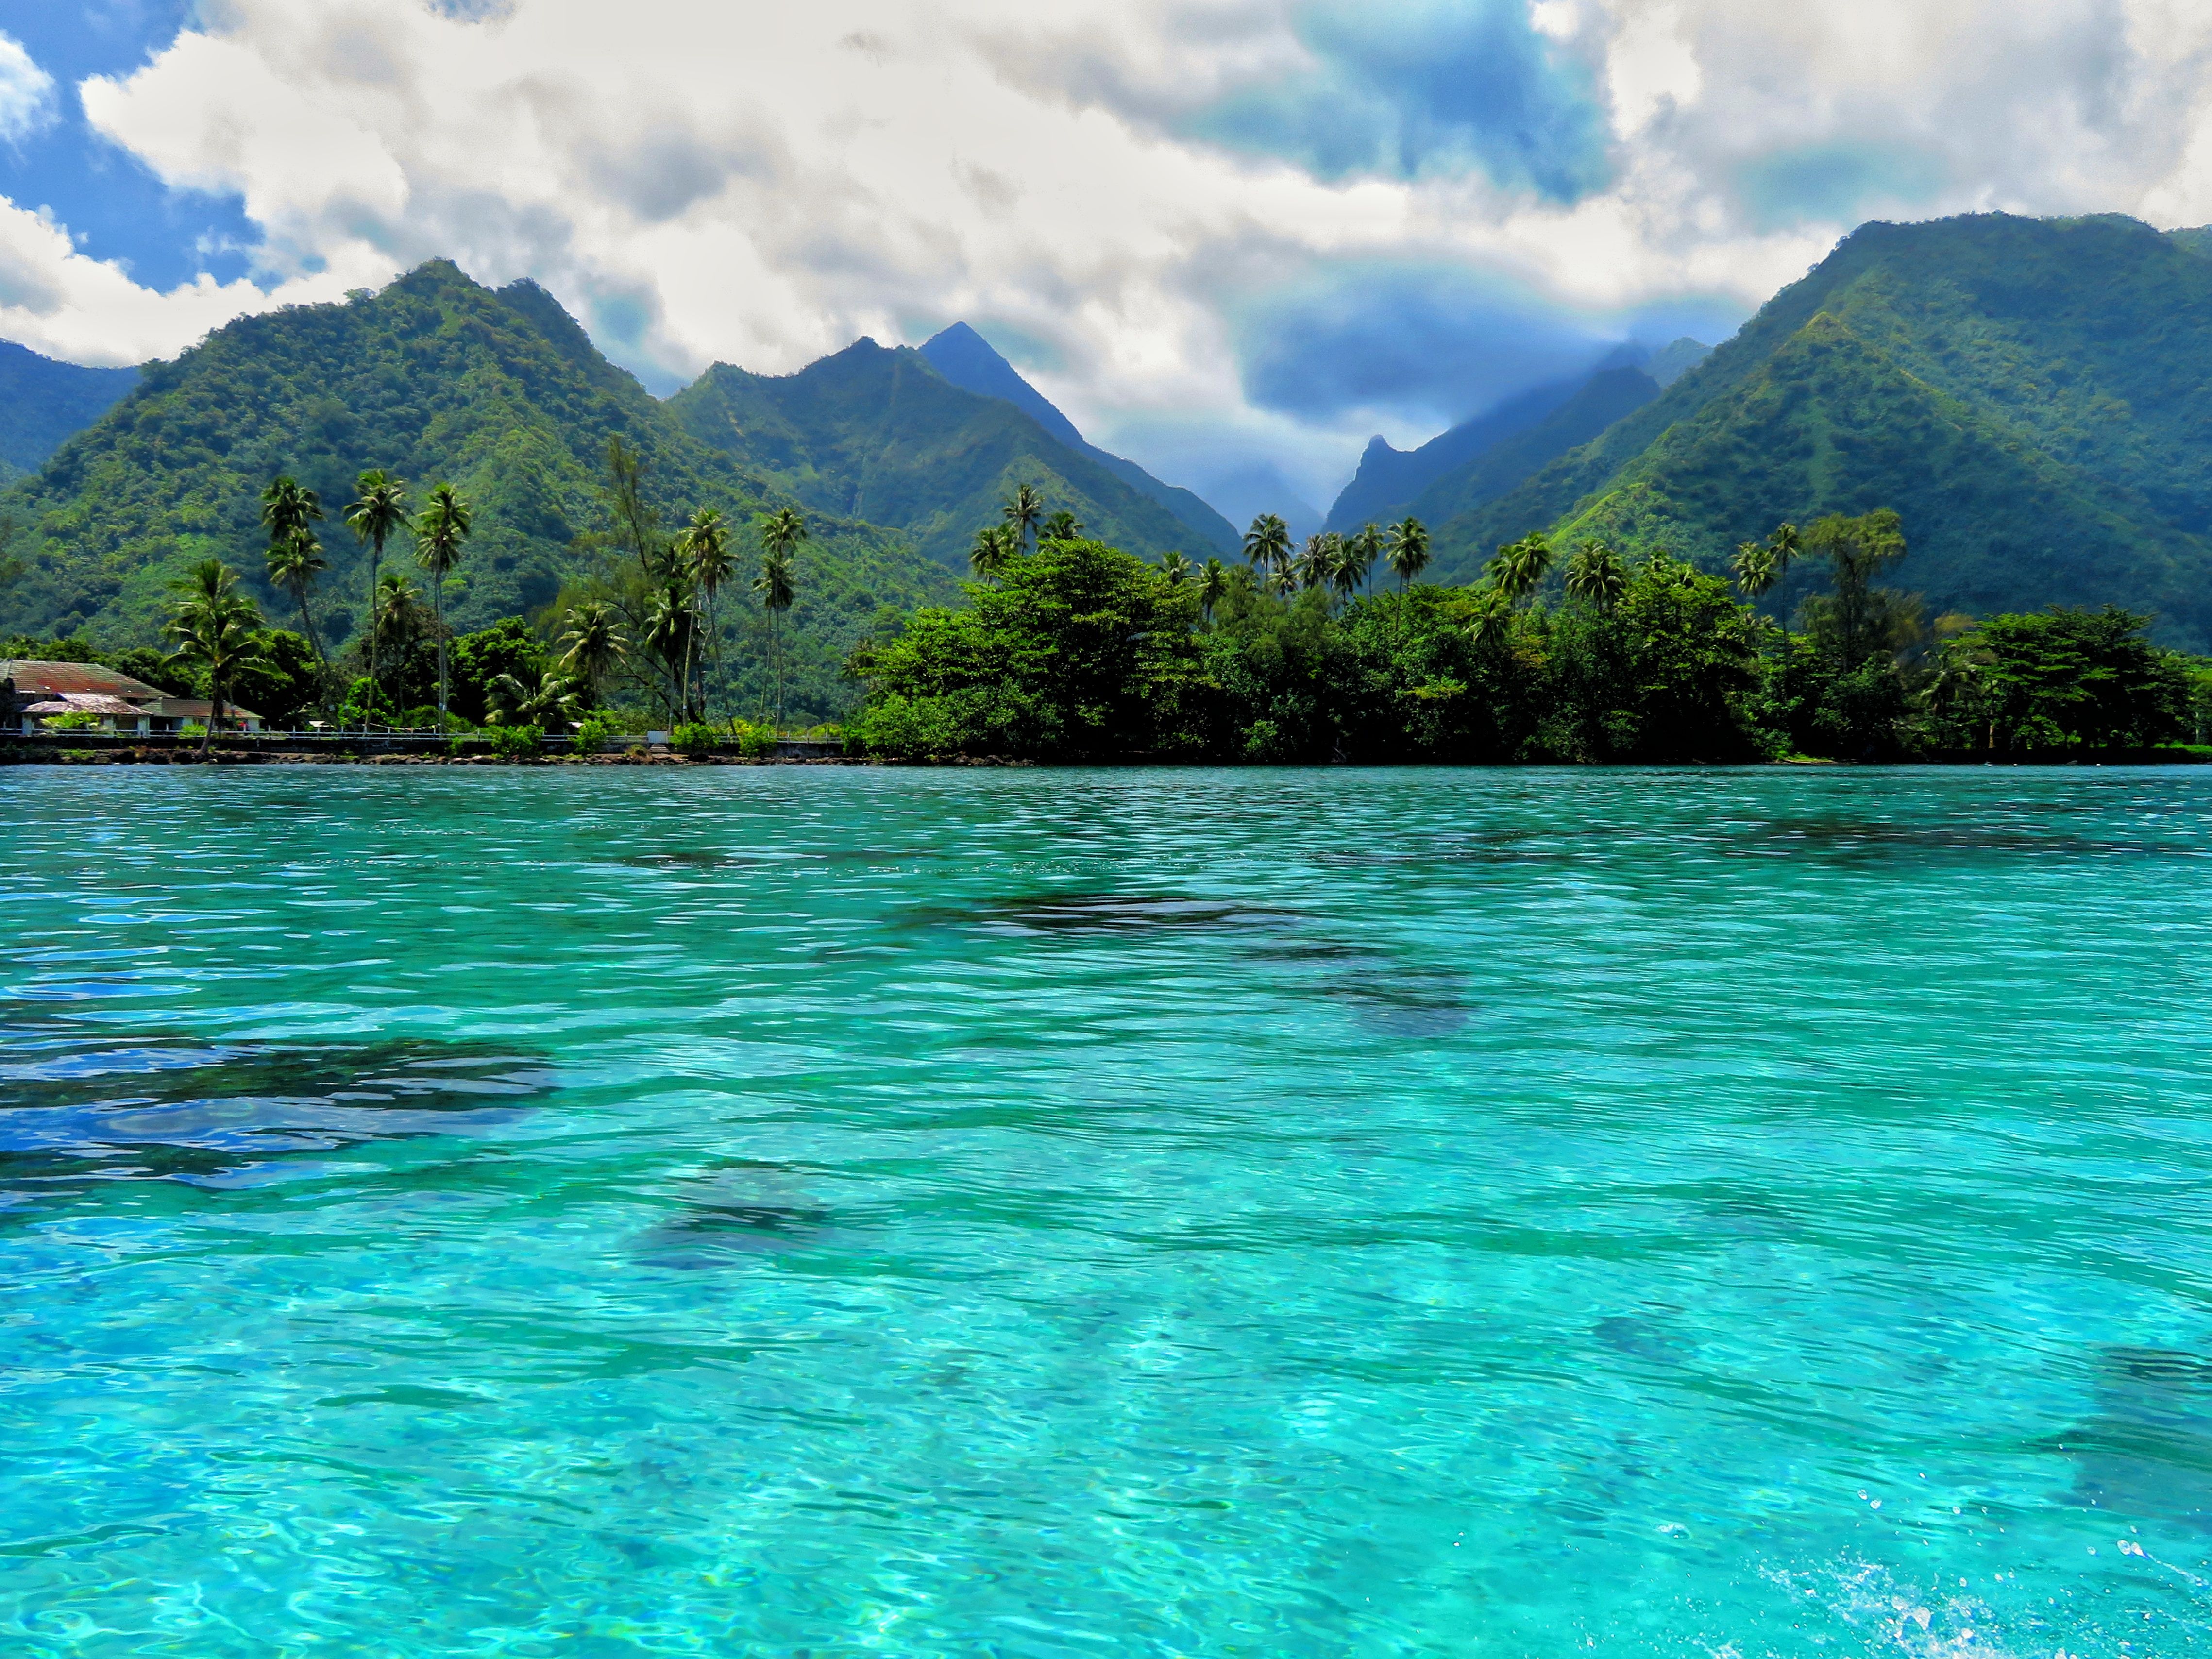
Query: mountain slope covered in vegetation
879	434
43	403
438	379
2030	394
972	363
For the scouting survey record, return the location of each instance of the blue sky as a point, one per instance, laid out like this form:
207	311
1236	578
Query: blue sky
1232	237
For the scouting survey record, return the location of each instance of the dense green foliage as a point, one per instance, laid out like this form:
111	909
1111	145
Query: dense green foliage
1080	652
2027	393
436	379
42	402
880	435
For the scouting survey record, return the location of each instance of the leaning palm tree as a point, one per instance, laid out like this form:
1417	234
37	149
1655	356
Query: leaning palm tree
595	644
1061	526
1212	583
1176	569
1408	551
1595	576
293	563
378	509
440	533
707	562
1024	510
774	584
1267	544
217	628
994	550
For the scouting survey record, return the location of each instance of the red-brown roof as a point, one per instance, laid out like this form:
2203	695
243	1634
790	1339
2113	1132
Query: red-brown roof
60	679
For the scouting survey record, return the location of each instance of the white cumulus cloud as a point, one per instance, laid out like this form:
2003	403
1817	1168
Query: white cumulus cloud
26	92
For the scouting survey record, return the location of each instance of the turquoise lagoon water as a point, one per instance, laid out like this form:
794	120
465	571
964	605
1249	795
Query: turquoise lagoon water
1292	1213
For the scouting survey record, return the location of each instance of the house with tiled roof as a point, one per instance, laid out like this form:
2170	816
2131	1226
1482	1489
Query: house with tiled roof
33	693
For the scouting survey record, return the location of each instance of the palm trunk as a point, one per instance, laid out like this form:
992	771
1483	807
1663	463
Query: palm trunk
375	686
215	709
438	593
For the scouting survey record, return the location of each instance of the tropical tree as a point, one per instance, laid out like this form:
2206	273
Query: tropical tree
703	550
1212	583
1061	526
671	626
378	510
781	534
996	545
440	533
1176	569
217	628
1595	576
1492	618
549	700
1408	551
293	563
1024	510
287	509
1361	549
1267	545
636	519
1318	561
595	644
1519	567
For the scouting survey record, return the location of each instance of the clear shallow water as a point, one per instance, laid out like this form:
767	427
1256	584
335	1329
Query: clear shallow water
829	1212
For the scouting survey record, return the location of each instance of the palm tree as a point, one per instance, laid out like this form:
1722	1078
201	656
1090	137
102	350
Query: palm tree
1267	544
440	532
1493	615
1212	583
780	535
392	614
1595	576
595	644
1409	551
1176	569
378	509
293	562
1519	567
671	623
551	699
1024	510
218	627
994	550
704	550
774	584
287	509
1320	560
1062	526
1362	548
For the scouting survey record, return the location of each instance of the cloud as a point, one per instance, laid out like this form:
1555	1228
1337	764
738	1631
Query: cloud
26	92
1425	86
1223	232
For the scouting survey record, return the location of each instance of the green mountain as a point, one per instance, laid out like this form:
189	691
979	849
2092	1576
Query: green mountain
972	363
436	379
43	401
2030	394
879	434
